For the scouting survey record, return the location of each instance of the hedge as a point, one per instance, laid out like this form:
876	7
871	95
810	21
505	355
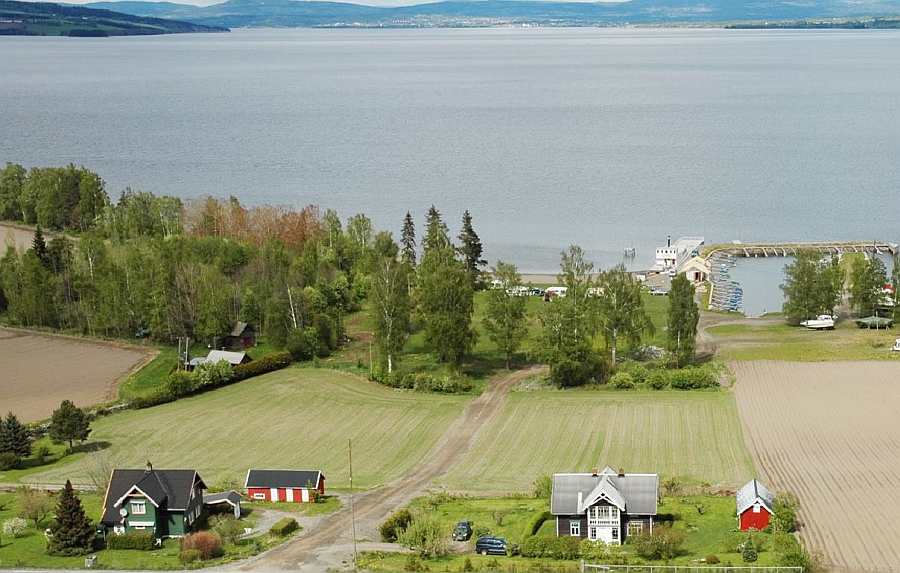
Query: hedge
534	525
268	363
284	526
139	540
552	547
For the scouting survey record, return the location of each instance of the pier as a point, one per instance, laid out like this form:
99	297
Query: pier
786	249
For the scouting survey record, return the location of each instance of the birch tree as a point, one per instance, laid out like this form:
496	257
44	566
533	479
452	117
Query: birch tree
390	301
621	310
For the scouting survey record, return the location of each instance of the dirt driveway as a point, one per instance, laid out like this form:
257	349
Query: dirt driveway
330	544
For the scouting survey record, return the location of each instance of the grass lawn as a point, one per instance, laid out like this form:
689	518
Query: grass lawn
30	549
712	532
327	504
297	417
32	464
695	435
768	340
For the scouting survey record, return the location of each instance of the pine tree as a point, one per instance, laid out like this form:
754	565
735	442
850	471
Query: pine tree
39	245
14	437
471	250
69	423
408	241
683	318
71	532
436	233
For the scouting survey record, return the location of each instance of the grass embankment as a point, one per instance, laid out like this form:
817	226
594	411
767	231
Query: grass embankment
298	417
325	505
29	550
695	435
712	532
776	340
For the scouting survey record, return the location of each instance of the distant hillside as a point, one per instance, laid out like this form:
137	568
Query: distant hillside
300	13
46	19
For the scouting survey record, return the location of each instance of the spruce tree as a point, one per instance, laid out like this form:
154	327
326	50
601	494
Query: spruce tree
436	233
71	532
69	423
39	245
683	318
446	305
471	250
14	437
408	241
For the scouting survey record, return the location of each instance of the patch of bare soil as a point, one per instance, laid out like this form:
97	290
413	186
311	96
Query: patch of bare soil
314	552
828	433
38	371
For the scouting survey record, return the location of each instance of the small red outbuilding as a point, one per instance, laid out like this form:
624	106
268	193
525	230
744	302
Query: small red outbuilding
292	486
754	506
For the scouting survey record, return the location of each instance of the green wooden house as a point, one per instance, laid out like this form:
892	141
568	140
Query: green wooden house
165	502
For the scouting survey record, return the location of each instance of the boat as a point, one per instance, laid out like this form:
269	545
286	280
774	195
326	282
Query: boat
896	347
821	322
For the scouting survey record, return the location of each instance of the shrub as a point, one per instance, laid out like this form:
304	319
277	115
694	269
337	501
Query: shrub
785	518
139	540
228	528
578	369
552	547
749	553
671	486
425	535
395	525
8	461
268	363
14	527
213	374
303	343
639	372
413	563
663	543
444	384
693	378
542	487
597	551
480	531
535	523
180	383
189	556
285	526
207	543
658	380
712	560
622	381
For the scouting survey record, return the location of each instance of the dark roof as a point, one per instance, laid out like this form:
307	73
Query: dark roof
166	488
239	328
232	497
283	478
638	492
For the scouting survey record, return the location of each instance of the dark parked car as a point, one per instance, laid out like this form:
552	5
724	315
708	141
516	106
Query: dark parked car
462	531
489	545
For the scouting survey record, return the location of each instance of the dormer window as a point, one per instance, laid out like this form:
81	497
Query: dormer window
756	508
138	507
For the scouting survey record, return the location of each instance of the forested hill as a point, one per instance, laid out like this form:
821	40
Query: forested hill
47	19
460	13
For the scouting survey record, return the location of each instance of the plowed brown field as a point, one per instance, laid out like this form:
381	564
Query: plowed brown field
830	433
37	372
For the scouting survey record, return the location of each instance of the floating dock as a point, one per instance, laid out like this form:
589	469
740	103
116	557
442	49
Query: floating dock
739	249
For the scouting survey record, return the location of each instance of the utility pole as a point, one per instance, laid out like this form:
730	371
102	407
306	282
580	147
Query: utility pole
352	509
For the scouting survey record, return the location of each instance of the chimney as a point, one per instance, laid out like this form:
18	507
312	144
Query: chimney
668	240
621	472
595	472
580	501
149	467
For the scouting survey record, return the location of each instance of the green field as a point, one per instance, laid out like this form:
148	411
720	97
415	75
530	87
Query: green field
695	435
776	340
298	417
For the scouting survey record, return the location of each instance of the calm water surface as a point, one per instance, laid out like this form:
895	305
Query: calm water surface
607	138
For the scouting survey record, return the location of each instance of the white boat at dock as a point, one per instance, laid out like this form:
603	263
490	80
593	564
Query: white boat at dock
821	322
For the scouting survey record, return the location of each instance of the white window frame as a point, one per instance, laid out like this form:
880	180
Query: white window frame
138	508
635	528
756	508
615	534
261	496
575	528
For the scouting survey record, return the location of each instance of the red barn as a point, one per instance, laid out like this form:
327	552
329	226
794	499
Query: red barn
293	486
754	506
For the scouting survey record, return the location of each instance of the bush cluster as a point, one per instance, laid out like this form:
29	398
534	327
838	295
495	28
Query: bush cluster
395	525
8	461
14	527
622	381
693	378
552	547
427	382
207	377
285	526
663	543
207	544
139	540
579	368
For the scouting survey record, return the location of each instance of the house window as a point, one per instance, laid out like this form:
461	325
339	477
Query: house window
756	508
635	528
615	533
138	507
259	496
592	533
575	528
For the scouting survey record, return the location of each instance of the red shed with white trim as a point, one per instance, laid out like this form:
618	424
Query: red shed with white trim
754	506
291	486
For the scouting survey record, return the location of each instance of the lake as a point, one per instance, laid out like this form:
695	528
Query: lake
609	138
